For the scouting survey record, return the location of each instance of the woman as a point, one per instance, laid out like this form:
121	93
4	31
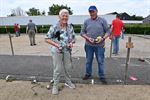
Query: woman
62	38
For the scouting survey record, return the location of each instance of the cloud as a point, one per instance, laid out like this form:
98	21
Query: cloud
137	7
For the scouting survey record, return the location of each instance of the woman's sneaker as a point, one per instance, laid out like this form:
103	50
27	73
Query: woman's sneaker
55	90
70	85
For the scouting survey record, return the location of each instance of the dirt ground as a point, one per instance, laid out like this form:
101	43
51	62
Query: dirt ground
24	90
22	46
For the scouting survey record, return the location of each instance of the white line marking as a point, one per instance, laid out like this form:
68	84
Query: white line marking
147	61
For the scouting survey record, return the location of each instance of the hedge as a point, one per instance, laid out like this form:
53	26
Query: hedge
129	29
40	29
137	29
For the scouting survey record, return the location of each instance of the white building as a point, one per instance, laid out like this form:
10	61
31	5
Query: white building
51	20
47	20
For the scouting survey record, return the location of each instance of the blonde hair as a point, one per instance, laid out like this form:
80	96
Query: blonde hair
63	11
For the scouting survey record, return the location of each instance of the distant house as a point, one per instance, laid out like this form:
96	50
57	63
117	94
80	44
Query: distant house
147	20
123	16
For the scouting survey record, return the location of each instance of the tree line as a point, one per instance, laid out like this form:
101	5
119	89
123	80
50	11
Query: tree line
53	10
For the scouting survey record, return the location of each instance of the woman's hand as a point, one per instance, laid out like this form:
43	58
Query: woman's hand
60	48
70	45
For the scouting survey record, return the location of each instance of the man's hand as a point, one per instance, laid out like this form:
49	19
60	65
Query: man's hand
111	36
99	39
91	40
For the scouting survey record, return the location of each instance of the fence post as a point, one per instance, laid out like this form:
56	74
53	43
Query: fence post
110	49
129	45
11	44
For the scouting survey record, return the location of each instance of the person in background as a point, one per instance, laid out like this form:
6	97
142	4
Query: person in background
18	29
117	29
61	37
31	29
95	30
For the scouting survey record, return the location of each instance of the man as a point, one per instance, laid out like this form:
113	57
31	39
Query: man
117	27
16	30
95	30
31	30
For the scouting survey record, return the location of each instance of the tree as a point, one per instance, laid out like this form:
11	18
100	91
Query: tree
17	12
43	13
55	8
134	17
33	12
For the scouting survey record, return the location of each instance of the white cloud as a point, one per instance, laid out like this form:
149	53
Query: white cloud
137	7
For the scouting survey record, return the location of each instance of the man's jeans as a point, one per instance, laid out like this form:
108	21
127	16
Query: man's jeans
115	42
99	53
32	36
17	33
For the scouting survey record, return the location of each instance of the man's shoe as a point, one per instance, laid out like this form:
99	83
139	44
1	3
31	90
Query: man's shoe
86	77
55	90
103	80
115	54
70	85
34	44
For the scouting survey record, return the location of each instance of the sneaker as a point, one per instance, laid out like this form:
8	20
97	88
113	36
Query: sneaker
70	85
115	54
86	77
103	80
55	90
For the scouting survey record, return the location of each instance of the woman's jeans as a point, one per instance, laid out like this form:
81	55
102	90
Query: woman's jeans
61	62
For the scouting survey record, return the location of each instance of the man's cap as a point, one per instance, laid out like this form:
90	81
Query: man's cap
92	8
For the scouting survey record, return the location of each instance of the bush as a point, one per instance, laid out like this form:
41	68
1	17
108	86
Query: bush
137	29
77	28
40	29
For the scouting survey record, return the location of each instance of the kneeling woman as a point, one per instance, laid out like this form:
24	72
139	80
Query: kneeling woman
61	37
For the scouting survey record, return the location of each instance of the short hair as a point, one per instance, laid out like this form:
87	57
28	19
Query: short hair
30	20
118	16
62	11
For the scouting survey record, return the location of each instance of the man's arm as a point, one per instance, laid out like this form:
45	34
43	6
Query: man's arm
122	26
91	40
107	30
26	29
35	28
83	33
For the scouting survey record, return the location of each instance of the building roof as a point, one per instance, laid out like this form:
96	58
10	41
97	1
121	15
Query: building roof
48	20
147	19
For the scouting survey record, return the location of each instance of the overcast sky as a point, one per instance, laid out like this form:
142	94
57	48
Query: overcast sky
80	7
